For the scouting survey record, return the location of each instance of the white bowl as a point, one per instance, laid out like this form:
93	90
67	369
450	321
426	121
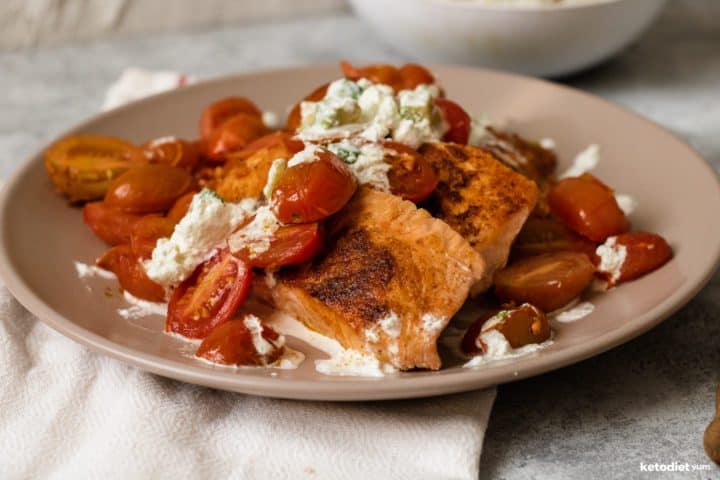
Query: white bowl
543	41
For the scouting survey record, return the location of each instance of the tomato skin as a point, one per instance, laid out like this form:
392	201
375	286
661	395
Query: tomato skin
111	225
231	343
271	140
180	207
311	191
458	120
209	297
217	113
233	135
172	151
548	281
291	245
520	326
413	75
130	273
146	232
377	73
294	117
546	235
588	207
645	252
148	188
411	176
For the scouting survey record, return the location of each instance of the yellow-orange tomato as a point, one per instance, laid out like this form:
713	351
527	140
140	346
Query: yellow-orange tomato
172	151
148	188
377	73
413	75
644	252
235	134
147	231
131	275
411	177
219	112
294	117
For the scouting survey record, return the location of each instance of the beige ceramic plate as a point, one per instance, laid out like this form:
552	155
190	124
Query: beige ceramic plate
678	193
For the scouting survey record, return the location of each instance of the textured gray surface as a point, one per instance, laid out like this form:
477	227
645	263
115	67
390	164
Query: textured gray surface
647	401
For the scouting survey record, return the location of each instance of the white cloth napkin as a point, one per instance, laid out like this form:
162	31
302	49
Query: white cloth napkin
68	413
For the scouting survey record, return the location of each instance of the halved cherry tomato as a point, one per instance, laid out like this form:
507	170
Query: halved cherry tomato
411	176
292	144
146	232
217	113
413	75
109	224
180	207
291	245
231	343
457	119
295	117
378	73
548	281
148	188
546	235
172	151
520	326
234	134
311	191
130	273
645	252
210	296
588	207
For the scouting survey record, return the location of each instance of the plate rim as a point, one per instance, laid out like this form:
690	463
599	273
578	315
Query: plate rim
355	389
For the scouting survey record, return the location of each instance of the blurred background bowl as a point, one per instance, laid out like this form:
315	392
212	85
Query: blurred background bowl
546	41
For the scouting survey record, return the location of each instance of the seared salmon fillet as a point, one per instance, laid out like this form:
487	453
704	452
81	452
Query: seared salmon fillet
388	283
480	198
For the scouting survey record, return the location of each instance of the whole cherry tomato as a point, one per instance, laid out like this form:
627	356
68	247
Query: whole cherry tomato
234	134
548	281
110	224
172	151
295	117
411	176
148	188
520	326
313	190
130	273
290	245
180	207
147	231
457	119
547	235
271	140
413	75
644	252
231	343
217	113
378	73
209	297
587	206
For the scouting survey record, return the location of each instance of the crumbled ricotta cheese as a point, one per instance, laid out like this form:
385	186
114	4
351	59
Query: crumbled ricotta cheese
271	120
479	133
307	155
627	203
367	163
201	231
353	363
277	168
256	235
141	308
498	348
612	257
86	271
584	161
261	344
574	313
547	143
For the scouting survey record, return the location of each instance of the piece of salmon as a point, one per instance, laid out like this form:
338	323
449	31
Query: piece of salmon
482	199
388	283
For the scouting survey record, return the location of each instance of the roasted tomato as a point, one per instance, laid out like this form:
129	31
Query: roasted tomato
295	117
379	73
291	245
110	224
217	113
413	75
411	176
231	343
546	235
235	134
588	207
180	207
82	166
639	253
146	232
548	281
313	190
457	119
209	297
520	326
148	188
130	273
271	140
172	151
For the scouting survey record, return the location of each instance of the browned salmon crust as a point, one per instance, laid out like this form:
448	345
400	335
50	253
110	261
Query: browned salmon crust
389	282
482	199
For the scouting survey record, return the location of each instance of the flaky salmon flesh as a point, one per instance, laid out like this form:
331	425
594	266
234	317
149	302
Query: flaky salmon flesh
388	283
480	198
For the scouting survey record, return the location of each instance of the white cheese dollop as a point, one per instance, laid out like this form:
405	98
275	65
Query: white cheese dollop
498	348
256	235
612	257
574	313
201	231
306	155
353	363
261	344
584	161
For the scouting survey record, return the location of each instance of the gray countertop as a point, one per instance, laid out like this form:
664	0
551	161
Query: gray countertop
647	401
